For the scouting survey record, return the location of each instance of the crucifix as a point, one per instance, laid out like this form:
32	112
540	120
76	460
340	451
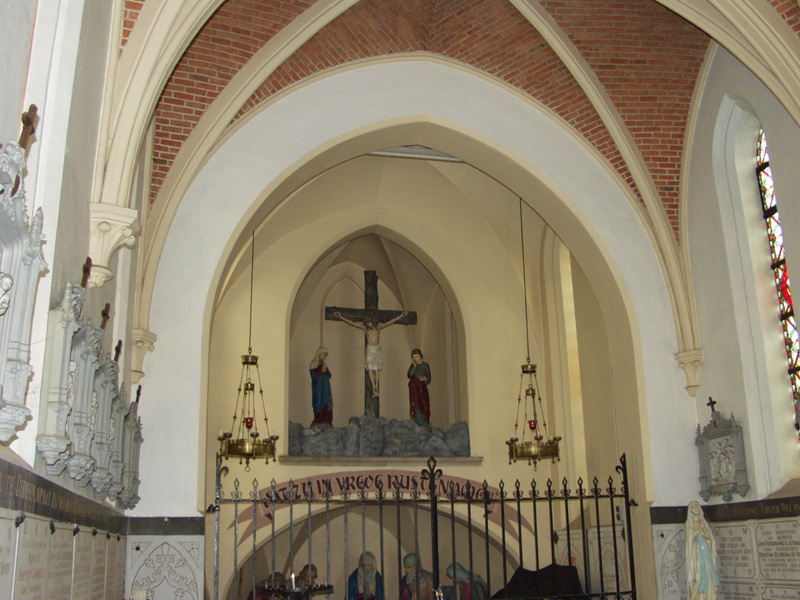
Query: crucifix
712	403
371	320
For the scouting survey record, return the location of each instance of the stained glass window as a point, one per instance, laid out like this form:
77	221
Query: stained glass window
769	205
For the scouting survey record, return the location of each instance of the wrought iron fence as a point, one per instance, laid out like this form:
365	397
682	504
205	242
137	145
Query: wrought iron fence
531	541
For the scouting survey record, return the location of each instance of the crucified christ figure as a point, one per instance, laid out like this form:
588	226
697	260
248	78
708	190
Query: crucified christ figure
373	359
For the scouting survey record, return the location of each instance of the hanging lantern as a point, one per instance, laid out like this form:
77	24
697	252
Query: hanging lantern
539	445
244	441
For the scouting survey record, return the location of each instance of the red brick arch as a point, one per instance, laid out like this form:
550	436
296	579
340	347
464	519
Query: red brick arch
646	58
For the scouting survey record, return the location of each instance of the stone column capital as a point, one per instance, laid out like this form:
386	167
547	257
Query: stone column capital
112	227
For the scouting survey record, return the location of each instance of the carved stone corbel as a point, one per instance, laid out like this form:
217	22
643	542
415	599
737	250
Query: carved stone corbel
12	416
112	227
143	341
690	361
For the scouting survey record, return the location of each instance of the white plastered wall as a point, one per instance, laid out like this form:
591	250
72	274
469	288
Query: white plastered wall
466	115
745	362
59	164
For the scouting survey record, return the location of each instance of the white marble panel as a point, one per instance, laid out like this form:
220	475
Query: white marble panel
740	591
31	567
669	542
736	559
99	547
780	593
757	559
779	549
59	564
115	577
8	543
168	567
82	570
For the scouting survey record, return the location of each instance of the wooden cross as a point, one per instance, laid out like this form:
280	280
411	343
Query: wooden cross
370	312
28	122
87	271
28	126
106	314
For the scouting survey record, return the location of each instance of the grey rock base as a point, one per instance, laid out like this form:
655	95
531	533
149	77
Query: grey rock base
378	436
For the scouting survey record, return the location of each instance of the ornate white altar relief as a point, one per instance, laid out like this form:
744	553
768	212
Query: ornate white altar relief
21	263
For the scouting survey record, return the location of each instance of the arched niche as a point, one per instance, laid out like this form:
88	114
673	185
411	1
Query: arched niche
403	284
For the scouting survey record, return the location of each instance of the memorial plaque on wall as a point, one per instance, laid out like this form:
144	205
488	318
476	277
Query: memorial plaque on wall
31	567
739	591
59	564
8	541
735	552
669	542
82	571
99	565
778	544
115	577
780	593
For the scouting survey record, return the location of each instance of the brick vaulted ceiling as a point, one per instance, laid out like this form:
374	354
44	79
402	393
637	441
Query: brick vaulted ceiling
646	58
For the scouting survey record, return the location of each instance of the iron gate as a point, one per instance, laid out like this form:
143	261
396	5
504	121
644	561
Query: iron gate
489	530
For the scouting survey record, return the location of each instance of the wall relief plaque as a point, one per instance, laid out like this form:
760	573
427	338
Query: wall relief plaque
720	450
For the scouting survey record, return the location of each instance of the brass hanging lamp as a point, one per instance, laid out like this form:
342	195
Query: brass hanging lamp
539	445
243	440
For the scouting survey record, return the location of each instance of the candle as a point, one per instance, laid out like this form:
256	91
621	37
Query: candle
293	581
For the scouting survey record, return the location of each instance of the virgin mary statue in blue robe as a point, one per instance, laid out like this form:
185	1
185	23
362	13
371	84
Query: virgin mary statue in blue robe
321	396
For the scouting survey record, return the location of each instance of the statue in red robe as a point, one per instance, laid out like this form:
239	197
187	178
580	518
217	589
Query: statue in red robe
419	376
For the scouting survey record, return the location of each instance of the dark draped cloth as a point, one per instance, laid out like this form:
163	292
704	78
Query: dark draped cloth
553	581
419	401
321	395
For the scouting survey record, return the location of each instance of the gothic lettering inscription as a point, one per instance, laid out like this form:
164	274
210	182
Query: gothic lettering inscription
59	564
778	545
735	552
32	560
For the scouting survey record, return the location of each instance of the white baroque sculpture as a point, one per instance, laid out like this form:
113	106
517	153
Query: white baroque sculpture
88	431
21	263
58	376
132	442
